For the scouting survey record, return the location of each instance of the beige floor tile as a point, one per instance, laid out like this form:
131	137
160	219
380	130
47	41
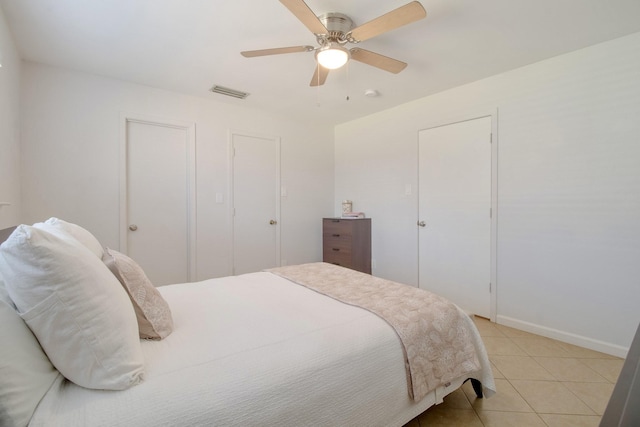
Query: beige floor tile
539	381
502	346
456	400
596	395
483	320
496	371
520	368
506	399
584	353
569	369
438	417
512	332
540	346
551	397
608	368
413	423
510	419
556	420
487	328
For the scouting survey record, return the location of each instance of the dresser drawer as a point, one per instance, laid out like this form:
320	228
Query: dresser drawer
337	228
333	251
343	259
342	242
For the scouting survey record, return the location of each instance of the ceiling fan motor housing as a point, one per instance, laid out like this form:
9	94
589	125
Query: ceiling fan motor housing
338	25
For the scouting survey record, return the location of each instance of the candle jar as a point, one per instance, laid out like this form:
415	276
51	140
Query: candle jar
347	206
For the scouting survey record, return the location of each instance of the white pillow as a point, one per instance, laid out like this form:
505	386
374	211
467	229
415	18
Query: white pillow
25	371
55	226
75	307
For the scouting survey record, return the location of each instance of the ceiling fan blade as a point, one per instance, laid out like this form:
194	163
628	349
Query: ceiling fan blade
300	9
276	51
376	60
403	15
319	76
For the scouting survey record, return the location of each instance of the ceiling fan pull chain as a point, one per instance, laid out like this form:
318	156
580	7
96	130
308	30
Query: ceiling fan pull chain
318	85
348	82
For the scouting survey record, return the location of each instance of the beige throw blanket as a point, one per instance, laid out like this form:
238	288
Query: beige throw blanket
436	337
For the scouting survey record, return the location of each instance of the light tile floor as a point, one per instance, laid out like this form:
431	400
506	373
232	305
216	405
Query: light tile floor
540	382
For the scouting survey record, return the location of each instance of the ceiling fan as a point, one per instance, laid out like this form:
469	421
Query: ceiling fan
334	30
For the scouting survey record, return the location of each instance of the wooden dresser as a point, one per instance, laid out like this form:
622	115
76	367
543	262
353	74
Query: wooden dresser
347	242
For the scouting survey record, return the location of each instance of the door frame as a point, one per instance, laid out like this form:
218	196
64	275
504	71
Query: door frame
231	216
190	129
493	252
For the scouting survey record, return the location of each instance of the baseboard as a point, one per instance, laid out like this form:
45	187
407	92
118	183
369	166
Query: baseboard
579	340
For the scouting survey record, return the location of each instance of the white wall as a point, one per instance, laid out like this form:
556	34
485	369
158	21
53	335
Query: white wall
70	142
9	127
568	257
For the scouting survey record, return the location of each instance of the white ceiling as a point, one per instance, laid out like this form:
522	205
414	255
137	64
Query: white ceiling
189	45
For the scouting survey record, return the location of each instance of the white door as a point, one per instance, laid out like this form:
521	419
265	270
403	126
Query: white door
158	218
256	206
454	213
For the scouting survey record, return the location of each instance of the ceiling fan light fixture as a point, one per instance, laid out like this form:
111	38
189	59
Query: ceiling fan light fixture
332	56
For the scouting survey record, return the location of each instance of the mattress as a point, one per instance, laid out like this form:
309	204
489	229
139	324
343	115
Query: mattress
257	349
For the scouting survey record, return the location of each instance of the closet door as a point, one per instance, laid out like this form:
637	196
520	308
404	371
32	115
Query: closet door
454	213
256	203
158	217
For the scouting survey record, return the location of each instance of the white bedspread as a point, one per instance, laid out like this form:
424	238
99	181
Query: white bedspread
251	350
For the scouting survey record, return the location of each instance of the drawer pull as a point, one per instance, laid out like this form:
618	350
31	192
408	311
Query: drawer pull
335	220
336	249
335	235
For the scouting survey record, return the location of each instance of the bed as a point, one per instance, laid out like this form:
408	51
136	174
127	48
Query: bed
284	347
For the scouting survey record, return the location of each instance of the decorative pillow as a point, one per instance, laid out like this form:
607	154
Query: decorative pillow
54	225
75	307
152	311
25	371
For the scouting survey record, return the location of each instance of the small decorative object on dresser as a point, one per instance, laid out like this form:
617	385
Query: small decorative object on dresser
347	206
347	242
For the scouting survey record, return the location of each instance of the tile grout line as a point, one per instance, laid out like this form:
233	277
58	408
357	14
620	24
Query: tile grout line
541	351
556	380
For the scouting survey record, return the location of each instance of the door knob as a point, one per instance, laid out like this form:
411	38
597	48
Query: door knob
133	227
273	222
422	224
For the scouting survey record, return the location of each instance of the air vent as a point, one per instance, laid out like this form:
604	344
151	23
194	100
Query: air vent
229	92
